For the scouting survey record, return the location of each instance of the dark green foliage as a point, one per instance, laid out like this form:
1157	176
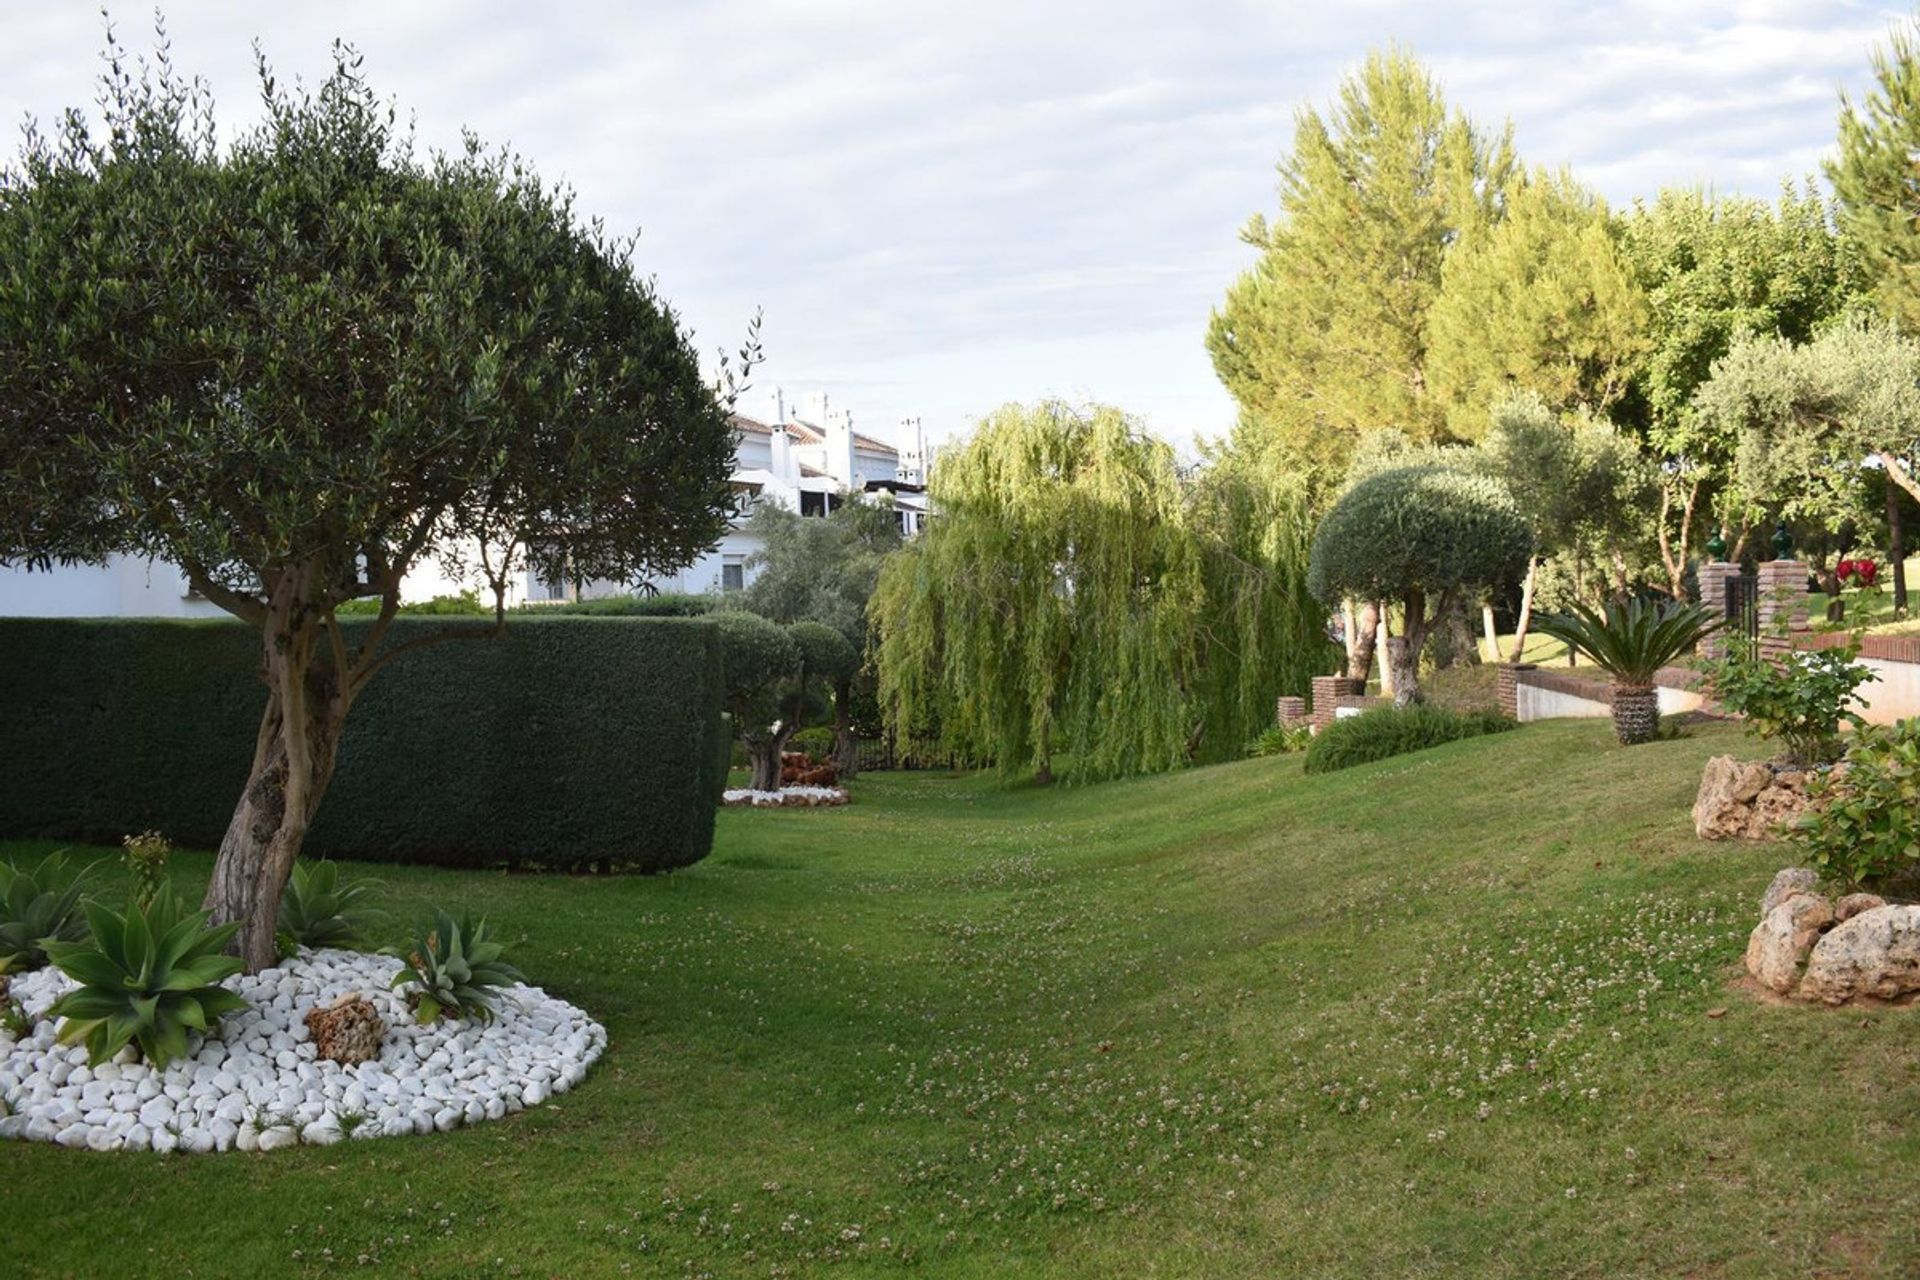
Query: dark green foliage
1632	641
455	969
1869	829
634	606
1394	731
1802	699
816	742
148	976
319	909
465	604
37	906
1426	529
761	659
562	742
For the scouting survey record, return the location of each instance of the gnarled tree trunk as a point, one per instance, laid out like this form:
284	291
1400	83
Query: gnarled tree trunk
763	757
293	762
1363	630
846	746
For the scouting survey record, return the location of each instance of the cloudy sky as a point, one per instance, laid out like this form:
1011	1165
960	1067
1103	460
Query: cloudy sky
941	208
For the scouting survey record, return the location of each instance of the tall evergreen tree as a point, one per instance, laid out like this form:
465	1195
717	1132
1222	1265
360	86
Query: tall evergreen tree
1542	304
1327	336
1874	177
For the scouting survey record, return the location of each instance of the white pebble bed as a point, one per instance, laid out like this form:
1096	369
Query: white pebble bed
797	797
257	1084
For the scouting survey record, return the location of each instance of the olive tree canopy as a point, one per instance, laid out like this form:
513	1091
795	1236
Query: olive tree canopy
298	365
1423	536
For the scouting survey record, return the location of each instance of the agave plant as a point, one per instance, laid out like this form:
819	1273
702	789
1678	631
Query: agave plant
456	970
1631	642
149	977
319	909
36	907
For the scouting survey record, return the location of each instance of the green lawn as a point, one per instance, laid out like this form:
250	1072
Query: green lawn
1453	1014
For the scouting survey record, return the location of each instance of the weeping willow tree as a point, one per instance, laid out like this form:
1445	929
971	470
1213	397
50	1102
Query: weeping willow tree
1078	596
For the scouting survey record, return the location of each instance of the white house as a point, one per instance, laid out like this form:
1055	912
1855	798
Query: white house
806	464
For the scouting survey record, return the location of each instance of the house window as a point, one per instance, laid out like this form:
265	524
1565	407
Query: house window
813	504
900	519
733	574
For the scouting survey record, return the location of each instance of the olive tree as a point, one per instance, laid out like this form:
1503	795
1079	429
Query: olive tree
1424	536
775	676
300	364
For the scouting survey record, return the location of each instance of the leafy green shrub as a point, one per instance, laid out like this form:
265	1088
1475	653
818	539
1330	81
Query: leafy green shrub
1801	701
148	976
37	907
318	909
1869	828
1281	740
1392	731
145	858
462	604
455	970
816	742
664	605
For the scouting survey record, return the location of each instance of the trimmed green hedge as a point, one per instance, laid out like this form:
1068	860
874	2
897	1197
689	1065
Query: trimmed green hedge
564	742
1386	732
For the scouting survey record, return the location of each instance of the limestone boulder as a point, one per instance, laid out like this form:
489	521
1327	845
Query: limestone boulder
1876	953
1723	807
1786	883
1854	904
1784	938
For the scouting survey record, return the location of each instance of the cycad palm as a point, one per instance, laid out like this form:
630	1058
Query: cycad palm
1631	642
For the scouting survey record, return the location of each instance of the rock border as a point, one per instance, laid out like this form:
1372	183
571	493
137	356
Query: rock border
257	1081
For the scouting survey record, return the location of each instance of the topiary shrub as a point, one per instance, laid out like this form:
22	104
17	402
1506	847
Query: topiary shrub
1425	537
1394	731
664	605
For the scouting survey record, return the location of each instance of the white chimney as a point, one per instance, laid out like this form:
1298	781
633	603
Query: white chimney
779	407
838	429
781	445
816	409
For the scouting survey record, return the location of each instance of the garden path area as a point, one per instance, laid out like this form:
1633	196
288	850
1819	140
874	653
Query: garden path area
1461	1012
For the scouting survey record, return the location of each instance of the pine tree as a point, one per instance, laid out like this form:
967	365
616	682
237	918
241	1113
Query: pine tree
1874	178
1326	337
1542	304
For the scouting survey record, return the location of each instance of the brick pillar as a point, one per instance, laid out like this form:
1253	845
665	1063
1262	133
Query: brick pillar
1782	593
1716	580
1289	710
1507	681
1327	690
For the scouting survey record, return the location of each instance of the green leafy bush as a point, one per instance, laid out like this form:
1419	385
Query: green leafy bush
816	742
145	858
1868	830
462	604
1281	740
1392	731
149	976
37	907
664	605
319	909
455	970
1801	701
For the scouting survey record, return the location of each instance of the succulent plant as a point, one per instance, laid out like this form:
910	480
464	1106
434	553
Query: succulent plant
149	976
38	906
455	970
320	909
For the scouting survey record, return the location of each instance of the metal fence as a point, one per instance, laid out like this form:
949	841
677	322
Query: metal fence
894	751
1743	606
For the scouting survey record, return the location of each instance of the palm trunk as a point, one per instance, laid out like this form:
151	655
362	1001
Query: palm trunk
1636	713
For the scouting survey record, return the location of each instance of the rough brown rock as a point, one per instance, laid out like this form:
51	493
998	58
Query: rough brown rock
348	1030
1855	903
1786	883
1781	941
1876	953
1746	800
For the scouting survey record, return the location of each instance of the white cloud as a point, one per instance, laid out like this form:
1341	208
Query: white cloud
943	208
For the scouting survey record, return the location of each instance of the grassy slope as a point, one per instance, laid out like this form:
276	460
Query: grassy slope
1444	1015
